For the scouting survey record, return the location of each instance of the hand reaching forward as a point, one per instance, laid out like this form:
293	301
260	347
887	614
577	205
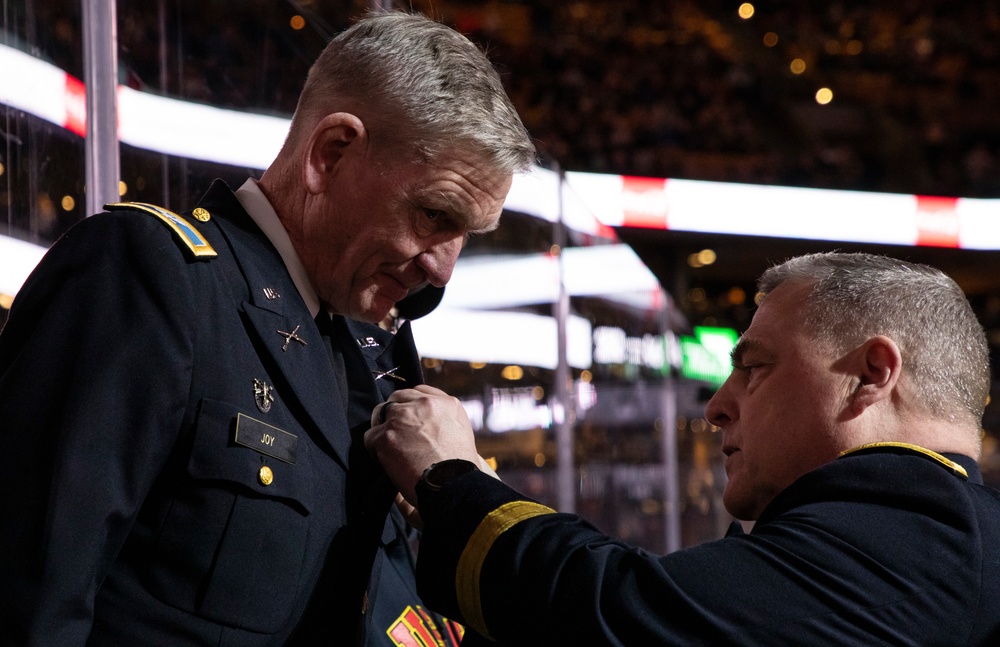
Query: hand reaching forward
416	428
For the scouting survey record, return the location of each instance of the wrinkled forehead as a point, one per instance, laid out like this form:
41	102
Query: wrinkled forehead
465	186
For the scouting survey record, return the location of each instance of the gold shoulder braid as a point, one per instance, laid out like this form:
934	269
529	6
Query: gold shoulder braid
950	464
193	240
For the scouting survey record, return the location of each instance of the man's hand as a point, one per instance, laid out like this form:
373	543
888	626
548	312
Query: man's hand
416	428
411	514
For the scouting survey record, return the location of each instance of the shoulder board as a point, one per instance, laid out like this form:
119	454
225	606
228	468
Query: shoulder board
187	233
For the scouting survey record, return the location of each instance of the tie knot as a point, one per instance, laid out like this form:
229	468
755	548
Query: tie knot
324	323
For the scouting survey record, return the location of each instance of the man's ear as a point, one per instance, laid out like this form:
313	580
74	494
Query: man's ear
879	366
333	138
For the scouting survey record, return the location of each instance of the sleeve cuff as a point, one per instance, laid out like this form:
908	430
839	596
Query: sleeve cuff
470	564
462	522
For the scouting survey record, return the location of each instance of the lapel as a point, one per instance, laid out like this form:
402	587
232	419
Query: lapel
304	362
371	357
287	335
379	362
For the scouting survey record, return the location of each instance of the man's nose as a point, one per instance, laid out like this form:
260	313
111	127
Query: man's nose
721	407
438	261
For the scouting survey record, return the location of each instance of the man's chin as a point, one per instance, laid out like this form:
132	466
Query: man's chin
737	504
371	310
370	316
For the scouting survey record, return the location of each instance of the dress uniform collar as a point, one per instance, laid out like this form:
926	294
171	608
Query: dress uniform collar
898	447
263	214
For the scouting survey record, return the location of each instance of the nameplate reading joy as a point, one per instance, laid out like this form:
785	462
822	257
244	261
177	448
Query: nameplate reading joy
265	438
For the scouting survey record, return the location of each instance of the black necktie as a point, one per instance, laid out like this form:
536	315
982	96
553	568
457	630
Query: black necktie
326	328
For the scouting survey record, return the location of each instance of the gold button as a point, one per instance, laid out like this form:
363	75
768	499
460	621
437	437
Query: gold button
265	475
201	214
364	603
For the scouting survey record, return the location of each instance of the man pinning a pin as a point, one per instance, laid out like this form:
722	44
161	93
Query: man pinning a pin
851	432
183	395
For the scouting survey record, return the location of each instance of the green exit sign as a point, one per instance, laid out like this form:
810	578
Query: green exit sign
706	355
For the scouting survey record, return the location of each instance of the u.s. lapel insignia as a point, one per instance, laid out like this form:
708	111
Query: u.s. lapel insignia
263	395
290	337
271	294
367	342
391	374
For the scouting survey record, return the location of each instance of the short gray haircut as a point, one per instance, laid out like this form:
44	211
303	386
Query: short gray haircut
419	87
857	296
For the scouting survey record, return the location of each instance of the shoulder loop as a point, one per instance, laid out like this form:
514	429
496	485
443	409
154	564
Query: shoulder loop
187	233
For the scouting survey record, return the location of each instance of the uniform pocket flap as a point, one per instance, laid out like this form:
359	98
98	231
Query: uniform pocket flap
233	447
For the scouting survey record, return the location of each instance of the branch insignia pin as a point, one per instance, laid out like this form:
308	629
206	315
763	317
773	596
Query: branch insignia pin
391	374
290	337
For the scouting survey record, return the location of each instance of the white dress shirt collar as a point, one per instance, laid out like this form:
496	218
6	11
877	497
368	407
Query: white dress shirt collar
260	209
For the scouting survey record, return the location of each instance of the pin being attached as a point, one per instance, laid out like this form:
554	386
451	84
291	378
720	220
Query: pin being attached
391	373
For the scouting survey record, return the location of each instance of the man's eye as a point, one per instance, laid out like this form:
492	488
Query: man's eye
433	214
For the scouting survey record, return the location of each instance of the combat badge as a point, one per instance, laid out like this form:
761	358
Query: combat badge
263	395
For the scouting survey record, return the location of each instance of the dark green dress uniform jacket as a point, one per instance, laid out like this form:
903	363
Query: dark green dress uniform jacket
183	460
885	546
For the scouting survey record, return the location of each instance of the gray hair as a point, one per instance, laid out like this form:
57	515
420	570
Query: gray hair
857	296
419	87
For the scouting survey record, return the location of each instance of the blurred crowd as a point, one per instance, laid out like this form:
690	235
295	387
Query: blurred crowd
921	76
678	89
690	89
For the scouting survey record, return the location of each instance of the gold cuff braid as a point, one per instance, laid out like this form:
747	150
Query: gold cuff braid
470	563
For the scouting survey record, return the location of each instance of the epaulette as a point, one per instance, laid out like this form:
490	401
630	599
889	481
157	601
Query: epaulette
187	233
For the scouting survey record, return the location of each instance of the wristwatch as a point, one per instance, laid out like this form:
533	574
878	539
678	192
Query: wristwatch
438	474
